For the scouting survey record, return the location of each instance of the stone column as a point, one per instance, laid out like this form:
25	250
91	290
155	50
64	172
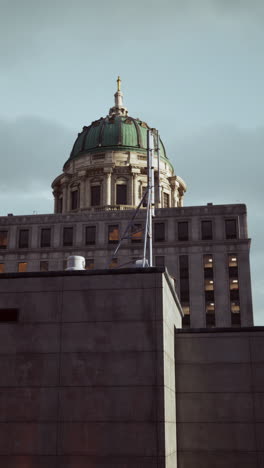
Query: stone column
135	191
108	188
82	192
64	198
88	193
55	195
130	190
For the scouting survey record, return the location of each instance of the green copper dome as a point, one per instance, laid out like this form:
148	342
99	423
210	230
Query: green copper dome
113	133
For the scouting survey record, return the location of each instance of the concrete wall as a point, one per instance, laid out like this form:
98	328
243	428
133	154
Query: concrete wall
87	373
220	398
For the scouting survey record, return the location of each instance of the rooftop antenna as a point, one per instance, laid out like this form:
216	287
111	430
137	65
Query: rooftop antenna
149	198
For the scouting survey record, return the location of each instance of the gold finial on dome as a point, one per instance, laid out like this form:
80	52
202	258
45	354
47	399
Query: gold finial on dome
118	83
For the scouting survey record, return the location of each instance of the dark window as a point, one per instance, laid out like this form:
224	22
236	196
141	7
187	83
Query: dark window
207	230
121	194
166	200
186	321
44	265
8	315
234	294
136	233
210	320
95	195
74	199
233	272
23	238
183	232
3	239
231	228
113	234
89	264
160	261
159	232
208	273
184	280
235	319
113	263
67	236
59	206
45	237
90	235
184	266
209	296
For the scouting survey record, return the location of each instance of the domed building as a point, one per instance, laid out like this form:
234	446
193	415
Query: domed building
205	248
107	166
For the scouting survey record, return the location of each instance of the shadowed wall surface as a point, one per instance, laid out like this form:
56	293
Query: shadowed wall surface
220	398
87	370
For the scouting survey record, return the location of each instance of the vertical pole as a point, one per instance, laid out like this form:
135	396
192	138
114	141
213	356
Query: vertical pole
151	200
158	157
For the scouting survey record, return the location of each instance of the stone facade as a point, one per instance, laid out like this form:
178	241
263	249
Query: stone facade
169	250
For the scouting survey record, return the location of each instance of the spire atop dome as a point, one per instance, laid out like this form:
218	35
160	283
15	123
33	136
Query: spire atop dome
118	108
119	83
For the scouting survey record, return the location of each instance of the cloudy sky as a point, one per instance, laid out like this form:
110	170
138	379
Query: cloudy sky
194	69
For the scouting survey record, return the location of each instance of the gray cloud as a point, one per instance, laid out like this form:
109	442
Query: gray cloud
33	151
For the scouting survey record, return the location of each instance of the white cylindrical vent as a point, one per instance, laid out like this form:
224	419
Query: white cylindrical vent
140	263
75	262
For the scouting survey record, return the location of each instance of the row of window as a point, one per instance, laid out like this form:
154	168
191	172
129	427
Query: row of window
209	296
96	197
113	234
22	267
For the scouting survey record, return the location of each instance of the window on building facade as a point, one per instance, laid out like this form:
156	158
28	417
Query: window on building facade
142	191
90	235
3	239
67	236
9	315
59	205
113	263
45	237
113	234
234	290
89	264
160	260
183	231
166	200
184	289
231	228
209	290
22	267
159	232
95	195
23	240
44	265
121	194
207	230
2	267
75	199
136	233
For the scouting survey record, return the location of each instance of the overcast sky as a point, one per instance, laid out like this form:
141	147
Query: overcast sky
194	69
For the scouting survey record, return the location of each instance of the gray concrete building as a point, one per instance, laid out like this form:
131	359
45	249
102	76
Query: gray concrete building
95	371
205	248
